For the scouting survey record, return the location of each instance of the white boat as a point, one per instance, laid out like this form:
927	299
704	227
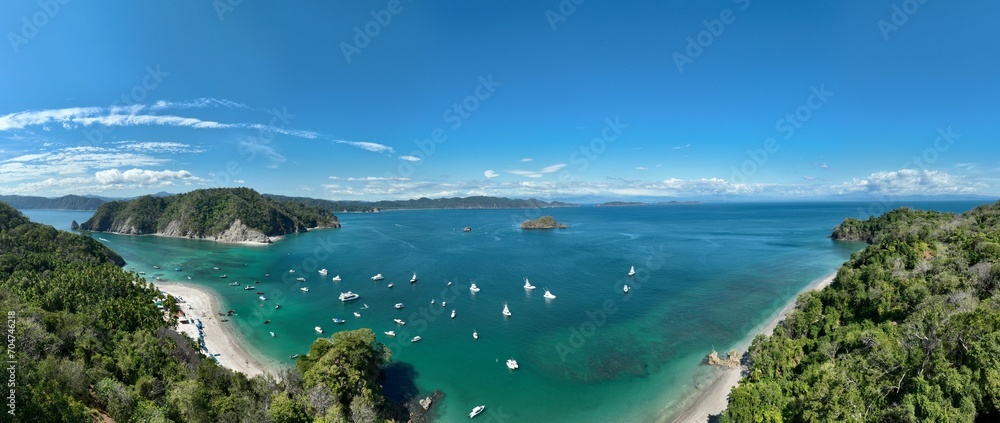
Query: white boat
390	285
348	296
318	329
356	314
528	285
292	271
449	283
506	311
475	411
399	306
415	338
304	289
626	289
262	298
338	321
364	306
631	272
378	277
475	335
322	272
444	303
277	306
215	268
512	364
102	239
390	333
272	334
300	279
399	321
474	288
549	295
432	301
414	278
336	278
453	314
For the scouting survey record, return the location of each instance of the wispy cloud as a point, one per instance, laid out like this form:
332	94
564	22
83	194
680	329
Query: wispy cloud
682	147
159	147
527	159
197	103
537	173
410	158
365	145
910	181
641	168
369	178
489	174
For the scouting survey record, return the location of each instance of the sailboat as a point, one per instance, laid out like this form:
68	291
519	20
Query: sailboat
414	278
323	272
506	311
549	295
528	285
631	272
336	278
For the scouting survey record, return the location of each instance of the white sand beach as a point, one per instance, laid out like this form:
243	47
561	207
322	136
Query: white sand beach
219	339
713	399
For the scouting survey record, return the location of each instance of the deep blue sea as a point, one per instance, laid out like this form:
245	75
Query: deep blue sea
707	276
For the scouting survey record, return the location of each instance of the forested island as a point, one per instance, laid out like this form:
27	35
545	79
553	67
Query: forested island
67	202
91	345
909	331
219	214
544	222
621	204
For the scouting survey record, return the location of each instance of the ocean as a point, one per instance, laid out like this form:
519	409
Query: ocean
706	276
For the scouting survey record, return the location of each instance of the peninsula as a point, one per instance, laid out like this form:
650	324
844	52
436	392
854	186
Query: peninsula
220	214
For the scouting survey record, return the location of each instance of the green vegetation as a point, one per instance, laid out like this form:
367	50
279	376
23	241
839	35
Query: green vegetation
68	202
476	202
544	222
621	204
91	344
207	213
908	332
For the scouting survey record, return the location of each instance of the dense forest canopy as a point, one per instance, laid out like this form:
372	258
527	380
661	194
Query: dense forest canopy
207	213
908	332
90	343
68	202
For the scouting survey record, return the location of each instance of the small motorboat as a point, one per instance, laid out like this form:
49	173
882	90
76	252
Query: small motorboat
549	295
349	296
475	335
444	303
291	270
300	279
267	321
476	411
156	267
336	278
304	289
294	356
248	288
223	277
399	321
272	334
506	311
453	314
177	269
527	285
378	277
626	289
432	301
356	314
474	288
262	298
415	338
322	272
364	306
277	306
512	364
234	284
318	329
215	268
390	333
338	321
389	285
399	306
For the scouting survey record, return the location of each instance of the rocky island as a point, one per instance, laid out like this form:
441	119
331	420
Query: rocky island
544	222
220	214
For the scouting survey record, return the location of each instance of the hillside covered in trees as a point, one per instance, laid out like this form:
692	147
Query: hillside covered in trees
89	344
67	202
221	214
908	332
475	202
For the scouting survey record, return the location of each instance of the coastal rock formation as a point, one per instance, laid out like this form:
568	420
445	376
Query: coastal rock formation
544	222
223	215
426	403
732	361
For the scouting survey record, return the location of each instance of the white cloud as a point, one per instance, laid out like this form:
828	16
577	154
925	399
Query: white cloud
369	178
158	147
143	177
489	174
537	173
909	181
553	168
370	146
641	168
410	158
527	159
197	103
809	178
682	147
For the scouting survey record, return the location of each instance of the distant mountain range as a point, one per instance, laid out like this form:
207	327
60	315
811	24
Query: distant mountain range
69	202
477	202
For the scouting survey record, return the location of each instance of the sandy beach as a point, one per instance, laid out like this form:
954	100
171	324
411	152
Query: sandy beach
219	339
713	399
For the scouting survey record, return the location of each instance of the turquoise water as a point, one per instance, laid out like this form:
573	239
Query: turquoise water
707	276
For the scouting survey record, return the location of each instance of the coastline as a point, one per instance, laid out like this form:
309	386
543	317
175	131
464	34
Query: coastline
713	399
219	339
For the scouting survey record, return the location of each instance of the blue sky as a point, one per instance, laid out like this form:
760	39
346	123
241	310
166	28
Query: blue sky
552	99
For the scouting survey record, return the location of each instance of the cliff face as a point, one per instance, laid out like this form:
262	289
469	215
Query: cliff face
224	215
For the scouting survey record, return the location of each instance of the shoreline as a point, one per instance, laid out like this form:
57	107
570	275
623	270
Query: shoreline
219	339
714	398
